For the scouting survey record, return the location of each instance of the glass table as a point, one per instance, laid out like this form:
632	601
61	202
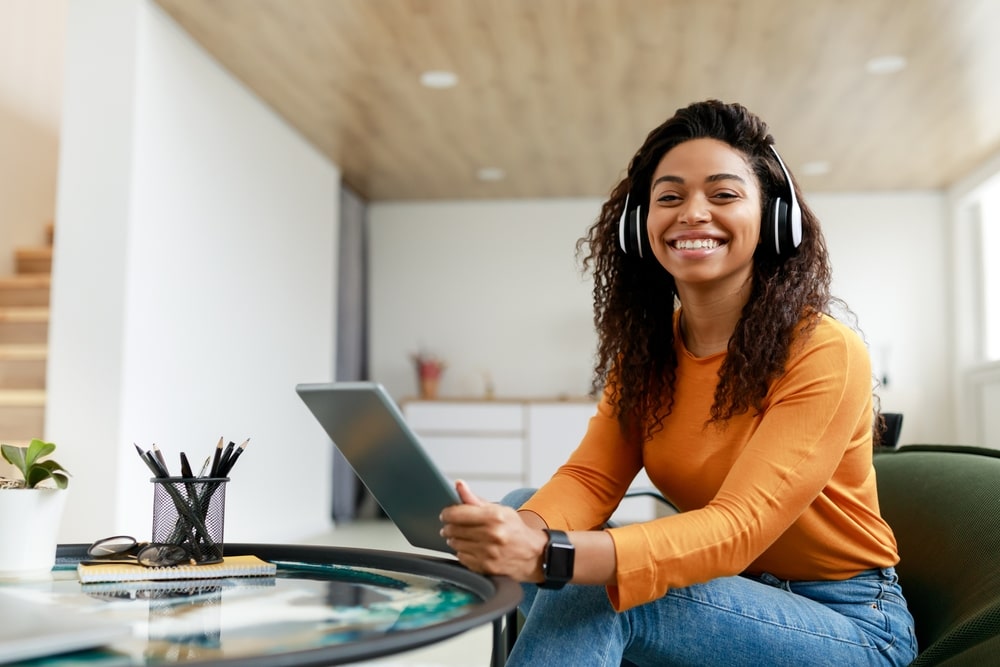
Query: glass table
325	606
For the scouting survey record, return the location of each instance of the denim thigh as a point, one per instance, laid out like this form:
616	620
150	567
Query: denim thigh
731	621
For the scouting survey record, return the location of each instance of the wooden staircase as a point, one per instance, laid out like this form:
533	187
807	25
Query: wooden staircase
24	333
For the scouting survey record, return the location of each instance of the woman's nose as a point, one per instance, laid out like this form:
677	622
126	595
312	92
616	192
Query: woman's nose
695	210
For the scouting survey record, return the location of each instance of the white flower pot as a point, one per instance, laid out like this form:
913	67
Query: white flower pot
29	531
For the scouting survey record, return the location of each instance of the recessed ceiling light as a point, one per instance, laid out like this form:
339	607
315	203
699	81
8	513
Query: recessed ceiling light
491	174
439	79
815	168
886	64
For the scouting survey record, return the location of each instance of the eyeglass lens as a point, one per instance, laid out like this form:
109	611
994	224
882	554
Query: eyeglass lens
119	545
162	555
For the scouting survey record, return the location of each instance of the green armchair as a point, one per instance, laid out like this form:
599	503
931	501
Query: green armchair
943	503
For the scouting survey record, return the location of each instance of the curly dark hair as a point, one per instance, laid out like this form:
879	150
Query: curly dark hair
634	300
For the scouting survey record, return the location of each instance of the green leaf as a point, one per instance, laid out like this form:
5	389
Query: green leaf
38	449
36	475
47	470
51	466
15	456
34	471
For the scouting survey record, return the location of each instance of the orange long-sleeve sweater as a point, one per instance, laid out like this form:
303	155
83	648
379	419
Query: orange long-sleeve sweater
789	491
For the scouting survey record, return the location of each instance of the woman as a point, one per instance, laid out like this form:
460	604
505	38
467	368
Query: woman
750	409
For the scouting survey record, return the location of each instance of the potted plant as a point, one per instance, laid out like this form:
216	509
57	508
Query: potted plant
429	370
31	509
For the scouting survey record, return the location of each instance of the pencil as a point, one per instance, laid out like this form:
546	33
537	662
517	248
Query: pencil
159	458
216	459
154	465
224	462
142	455
232	459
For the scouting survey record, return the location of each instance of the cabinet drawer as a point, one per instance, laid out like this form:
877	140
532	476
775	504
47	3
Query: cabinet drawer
461	455
443	417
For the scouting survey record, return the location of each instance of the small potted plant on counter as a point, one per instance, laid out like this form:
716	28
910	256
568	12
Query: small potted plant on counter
429	369
31	509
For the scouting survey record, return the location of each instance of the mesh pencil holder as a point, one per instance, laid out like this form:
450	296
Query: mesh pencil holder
191	512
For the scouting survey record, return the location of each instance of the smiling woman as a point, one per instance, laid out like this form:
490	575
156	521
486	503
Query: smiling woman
726	379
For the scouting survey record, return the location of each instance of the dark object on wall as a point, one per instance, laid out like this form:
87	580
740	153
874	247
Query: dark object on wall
892	426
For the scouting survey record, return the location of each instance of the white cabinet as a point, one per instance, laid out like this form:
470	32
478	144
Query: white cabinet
482	442
554	431
501	445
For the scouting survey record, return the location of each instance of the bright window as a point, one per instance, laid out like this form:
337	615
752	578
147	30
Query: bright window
990	265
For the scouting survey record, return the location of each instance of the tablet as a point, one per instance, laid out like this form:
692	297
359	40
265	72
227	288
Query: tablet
372	434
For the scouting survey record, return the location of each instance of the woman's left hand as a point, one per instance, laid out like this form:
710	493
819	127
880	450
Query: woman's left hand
493	539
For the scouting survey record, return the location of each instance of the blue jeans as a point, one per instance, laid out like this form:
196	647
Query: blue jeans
729	621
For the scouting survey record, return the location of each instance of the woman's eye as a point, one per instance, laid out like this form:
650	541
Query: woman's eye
668	198
725	195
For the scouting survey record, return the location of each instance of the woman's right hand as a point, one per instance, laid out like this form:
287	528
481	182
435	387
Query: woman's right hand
492	539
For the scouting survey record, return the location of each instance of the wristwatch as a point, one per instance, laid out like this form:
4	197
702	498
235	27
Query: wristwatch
557	566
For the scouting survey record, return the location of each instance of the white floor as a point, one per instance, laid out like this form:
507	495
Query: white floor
470	649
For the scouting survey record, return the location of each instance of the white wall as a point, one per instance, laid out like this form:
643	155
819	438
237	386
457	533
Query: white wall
492	287
193	282
890	253
495	286
31	65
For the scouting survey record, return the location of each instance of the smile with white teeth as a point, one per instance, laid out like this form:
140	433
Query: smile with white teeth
696	244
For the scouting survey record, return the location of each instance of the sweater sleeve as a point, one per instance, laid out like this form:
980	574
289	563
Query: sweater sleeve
812	413
586	490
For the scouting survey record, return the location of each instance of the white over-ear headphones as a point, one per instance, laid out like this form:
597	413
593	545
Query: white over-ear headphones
782	229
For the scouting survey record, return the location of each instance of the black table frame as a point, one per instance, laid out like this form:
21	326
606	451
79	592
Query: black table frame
500	597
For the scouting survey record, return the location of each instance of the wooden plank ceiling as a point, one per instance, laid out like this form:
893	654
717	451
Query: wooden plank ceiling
560	93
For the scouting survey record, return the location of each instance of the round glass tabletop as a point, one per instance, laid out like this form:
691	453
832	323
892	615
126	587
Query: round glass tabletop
325	606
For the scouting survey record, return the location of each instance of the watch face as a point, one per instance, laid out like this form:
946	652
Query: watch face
559	563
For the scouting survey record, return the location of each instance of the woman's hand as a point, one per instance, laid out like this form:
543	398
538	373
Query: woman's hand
493	539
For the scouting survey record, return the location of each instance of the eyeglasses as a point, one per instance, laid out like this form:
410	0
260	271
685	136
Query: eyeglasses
122	548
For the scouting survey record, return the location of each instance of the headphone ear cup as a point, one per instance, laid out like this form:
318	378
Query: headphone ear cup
776	234
641	234
632	234
636	228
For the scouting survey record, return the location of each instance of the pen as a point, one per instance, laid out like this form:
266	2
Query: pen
186	467
204	466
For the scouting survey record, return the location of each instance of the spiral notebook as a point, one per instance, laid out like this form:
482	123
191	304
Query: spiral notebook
231	566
